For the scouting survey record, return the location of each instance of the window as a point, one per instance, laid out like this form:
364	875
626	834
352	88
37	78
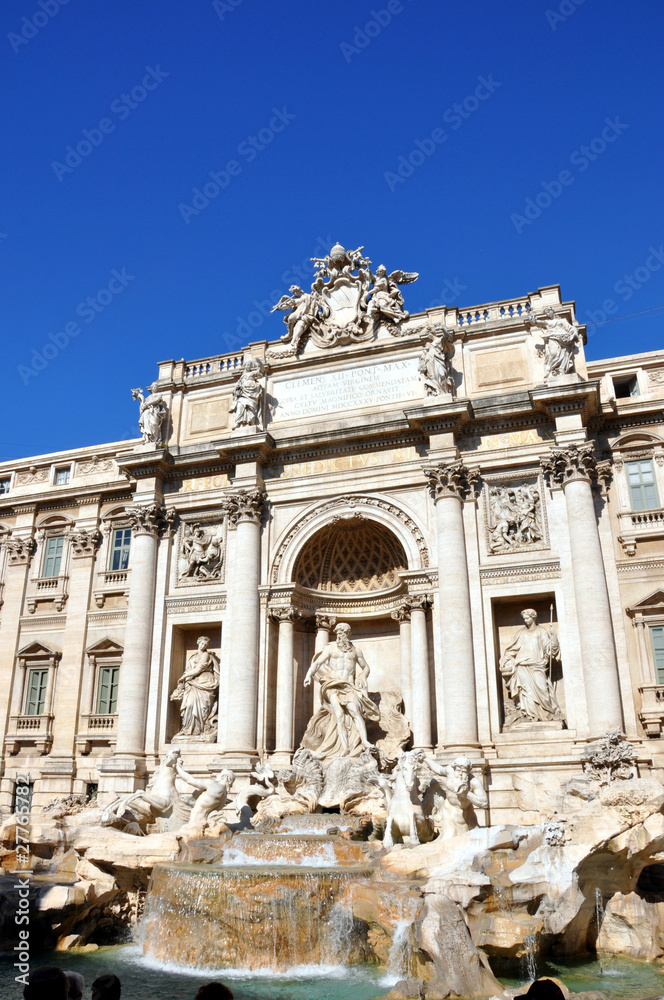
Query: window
36	696
107	690
53	555
642	488
626	387
120	545
62	476
5	484
657	640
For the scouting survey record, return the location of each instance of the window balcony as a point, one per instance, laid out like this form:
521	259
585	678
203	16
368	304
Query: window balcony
639	526
28	730
96	729
109	583
47	589
652	709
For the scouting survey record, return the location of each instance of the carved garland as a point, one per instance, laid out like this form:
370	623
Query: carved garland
354	503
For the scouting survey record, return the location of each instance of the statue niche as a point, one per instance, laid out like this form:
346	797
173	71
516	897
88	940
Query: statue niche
198	692
529	666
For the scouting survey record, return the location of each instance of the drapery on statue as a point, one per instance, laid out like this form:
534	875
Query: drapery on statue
525	669
454	813
338	728
247	396
197	690
560	339
434	364
386	301
153	414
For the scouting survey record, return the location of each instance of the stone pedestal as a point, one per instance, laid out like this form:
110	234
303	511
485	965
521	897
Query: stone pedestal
449	484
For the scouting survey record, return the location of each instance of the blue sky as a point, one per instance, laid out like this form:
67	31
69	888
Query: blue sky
558	117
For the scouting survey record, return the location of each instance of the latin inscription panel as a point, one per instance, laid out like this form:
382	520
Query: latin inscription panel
349	389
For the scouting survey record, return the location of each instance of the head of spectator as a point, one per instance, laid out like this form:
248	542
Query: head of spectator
106	988
543	989
76	985
214	991
47	983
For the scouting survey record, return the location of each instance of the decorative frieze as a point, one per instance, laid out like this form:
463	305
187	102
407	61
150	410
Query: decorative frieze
32	476
94	465
244	505
452	480
517	573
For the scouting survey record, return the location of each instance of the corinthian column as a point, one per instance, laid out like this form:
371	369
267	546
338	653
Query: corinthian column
148	522
402	615
419	665
244	509
572	468
449	484
285	617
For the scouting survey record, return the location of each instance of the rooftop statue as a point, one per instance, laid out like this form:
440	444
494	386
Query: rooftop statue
560	341
248	395
153	415
347	302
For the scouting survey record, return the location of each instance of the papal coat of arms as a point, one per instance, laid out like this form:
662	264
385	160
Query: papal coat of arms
347	302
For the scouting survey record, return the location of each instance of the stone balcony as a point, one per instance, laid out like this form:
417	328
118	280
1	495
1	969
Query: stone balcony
29	729
638	526
47	589
652	708
96	730
110	583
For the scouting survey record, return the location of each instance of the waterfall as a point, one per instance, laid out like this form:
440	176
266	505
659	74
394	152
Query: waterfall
530	957
252	917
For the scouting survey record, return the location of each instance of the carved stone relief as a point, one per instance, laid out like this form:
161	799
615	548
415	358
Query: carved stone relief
201	552
514	514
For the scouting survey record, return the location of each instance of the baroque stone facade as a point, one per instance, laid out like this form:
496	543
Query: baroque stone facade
480	504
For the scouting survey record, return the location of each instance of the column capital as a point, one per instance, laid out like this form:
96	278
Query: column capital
150	519
326	622
565	465
453	479
284	614
419	602
19	549
84	541
244	505
402	613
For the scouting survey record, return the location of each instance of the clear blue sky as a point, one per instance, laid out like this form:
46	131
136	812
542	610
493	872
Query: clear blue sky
200	78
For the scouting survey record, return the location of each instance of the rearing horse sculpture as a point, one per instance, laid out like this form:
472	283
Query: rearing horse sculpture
405	815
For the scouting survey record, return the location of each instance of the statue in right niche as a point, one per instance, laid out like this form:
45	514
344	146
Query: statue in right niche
526	669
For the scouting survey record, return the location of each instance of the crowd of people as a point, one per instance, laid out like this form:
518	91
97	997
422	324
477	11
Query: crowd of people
52	983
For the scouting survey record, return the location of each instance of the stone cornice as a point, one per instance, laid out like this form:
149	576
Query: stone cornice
439	416
246	447
577	397
148	464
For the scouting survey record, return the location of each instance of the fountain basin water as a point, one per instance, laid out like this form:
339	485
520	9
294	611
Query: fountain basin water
254	917
293	849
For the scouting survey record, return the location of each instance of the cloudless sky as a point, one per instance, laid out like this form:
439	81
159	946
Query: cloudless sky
353	105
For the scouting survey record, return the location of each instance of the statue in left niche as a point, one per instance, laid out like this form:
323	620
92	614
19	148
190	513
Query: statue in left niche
198	692
153	415
248	396
202	552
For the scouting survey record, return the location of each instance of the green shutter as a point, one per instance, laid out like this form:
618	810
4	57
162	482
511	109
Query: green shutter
657	640
107	691
642	488
36	696
53	555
